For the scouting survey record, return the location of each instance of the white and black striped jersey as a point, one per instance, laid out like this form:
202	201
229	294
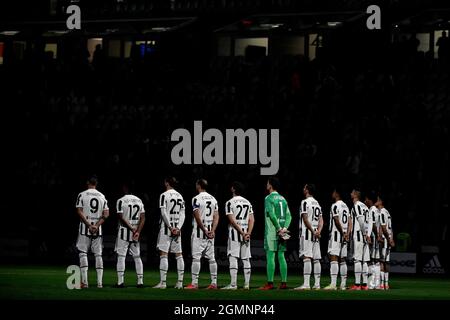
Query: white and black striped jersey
171	204
131	208
338	209
241	208
385	220
207	205
359	210
93	203
311	207
374	214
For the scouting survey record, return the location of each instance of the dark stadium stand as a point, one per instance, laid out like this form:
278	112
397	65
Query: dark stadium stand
381	124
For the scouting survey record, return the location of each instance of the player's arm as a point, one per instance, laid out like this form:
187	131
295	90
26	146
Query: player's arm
304	216
320	227
360	220
198	219
374	225
124	222
105	214
385	231
350	226
140	226
164	212
288	219
82	217
232	221
215	223
251	223
306	222
182	218
337	221
270	211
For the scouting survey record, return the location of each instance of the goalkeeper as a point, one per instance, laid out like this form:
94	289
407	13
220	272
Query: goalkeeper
277	220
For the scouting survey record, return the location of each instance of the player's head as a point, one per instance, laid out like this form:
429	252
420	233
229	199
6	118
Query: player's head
201	185
355	194
380	201
127	186
273	184
309	189
337	194
170	182
370	199
92	181
237	188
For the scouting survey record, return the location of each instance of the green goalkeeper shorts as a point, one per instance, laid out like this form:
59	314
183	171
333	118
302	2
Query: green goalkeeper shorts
274	245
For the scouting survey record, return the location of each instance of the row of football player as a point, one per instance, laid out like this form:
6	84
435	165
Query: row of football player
93	210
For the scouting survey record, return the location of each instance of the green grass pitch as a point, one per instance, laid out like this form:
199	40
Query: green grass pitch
49	283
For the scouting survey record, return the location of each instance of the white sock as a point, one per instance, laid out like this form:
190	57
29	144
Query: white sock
377	274
358	269
139	269
247	271
343	270
233	270
306	272
120	269
334	270
195	271
84	267
213	271
163	267
317	271
99	268
386	278
365	270
180	268
382	277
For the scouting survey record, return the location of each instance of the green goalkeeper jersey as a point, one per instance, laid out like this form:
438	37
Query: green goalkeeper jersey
277	215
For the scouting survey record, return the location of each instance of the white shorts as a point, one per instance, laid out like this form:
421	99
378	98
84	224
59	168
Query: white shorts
202	248
337	249
385	254
167	243
239	249
95	244
361	251
309	248
123	247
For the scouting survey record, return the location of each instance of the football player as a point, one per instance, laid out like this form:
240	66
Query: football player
171	205
311	224
386	238
337	243
131	213
374	220
206	218
361	240
277	220
92	209
241	220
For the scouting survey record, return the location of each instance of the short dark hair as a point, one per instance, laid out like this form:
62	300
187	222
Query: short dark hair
202	183
92	180
172	181
311	188
238	187
274	182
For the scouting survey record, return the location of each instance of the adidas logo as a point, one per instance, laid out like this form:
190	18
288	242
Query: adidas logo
433	266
